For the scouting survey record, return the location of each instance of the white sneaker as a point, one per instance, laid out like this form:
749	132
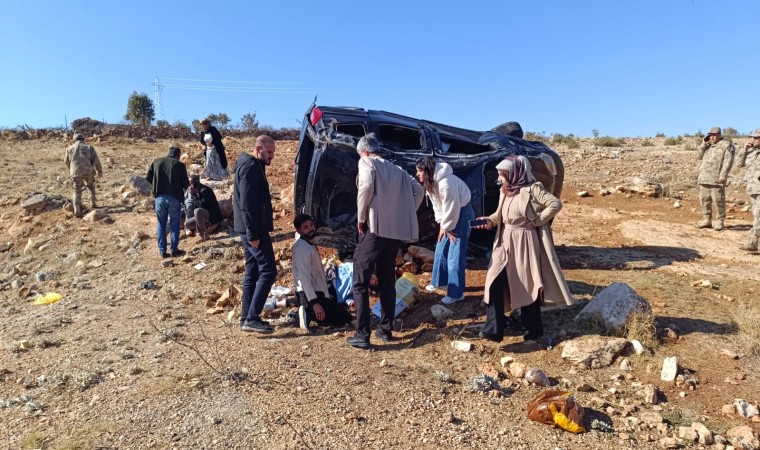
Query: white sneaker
430	288
448	300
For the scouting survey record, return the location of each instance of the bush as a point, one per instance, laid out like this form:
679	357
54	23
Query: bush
674	140
533	136
730	132
162	123
609	141
569	140
747	322
647	143
660	135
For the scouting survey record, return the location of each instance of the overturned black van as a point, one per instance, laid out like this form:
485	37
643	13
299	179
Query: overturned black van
326	166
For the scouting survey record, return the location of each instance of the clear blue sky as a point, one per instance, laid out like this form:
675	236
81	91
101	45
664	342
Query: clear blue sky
626	68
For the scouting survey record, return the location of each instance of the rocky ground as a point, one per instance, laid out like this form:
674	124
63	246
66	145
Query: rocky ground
130	357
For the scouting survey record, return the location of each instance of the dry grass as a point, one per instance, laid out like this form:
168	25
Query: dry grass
747	321
34	438
642	327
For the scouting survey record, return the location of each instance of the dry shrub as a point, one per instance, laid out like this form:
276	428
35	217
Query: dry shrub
674	140
747	321
642	327
647	143
609	141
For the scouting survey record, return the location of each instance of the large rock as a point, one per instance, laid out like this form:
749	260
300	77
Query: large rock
140	184
745	409
421	253
669	369
36	204
441	313
644	186
593	351
613	306
743	436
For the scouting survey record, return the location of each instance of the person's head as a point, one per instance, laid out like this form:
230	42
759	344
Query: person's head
714	135
205	123
510	129
426	172
208	139
263	149
304	225
174	151
756	138
78	137
515	173
368	145
195	181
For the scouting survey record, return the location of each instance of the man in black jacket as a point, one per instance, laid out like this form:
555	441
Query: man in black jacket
252	209
202	210
216	139
169	179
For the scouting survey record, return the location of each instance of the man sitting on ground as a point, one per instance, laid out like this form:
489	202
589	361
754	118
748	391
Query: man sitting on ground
312	294
202	211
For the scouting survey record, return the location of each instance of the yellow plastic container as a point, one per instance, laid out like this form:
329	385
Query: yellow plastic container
47	299
406	288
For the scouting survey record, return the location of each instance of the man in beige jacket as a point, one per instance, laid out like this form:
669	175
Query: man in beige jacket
386	203
82	162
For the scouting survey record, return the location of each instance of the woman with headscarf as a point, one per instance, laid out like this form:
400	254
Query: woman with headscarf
450	197
213	170
216	136
524	271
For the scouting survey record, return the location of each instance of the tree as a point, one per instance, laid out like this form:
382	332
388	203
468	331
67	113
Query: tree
162	123
139	109
213	118
248	122
196	124
222	119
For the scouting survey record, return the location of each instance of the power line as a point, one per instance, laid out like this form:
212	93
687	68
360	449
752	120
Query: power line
233	89
228	81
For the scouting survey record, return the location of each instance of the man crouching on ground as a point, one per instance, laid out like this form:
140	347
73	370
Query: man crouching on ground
314	301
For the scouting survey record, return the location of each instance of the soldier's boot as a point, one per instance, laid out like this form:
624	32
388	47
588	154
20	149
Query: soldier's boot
705	223
77	210
751	245
93	201
718	225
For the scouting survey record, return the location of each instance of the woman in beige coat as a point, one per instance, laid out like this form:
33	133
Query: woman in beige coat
524	271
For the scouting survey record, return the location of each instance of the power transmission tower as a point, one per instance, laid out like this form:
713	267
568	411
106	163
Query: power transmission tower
157	88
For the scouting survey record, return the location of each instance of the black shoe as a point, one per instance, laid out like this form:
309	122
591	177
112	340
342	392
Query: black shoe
165	255
384	336
256	326
490	337
178	253
530	336
358	342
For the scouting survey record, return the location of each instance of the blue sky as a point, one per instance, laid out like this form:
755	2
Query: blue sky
626	68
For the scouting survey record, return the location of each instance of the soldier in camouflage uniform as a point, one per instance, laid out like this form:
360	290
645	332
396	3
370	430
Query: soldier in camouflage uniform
83	163
750	157
717	155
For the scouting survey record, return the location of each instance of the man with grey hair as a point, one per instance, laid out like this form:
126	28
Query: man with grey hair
717	156
82	161
386	204
750	157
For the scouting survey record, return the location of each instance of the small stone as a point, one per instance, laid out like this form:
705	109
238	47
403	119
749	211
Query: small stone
17	283
682	394
585	387
505	360
677	204
729	354
625	364
638	347
583	194
517	369
168	262
705	436
669	369
92	216
668	443
728	409
688	434
441	313
383	363
24	344
624	436
461	346
651	418
650	394
745	409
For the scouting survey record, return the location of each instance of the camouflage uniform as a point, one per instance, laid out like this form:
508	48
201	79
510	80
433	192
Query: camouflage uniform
717	160
83	163
751	159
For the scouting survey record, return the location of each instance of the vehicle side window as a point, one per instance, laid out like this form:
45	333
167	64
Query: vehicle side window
402	138
450	145
353	129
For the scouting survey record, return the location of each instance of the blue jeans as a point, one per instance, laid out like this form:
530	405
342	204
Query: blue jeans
450	259
167	206
260	274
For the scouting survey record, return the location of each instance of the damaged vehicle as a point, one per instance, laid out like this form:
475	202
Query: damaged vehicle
327	167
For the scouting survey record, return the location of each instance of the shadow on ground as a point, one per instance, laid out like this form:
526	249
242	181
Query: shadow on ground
643	257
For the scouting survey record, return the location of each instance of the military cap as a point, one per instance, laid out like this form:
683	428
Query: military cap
714	130
756	133
78	137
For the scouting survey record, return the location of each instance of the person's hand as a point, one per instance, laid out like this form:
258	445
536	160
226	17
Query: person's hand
487	226
319	312
748	146
441	234
721	180
360	227
452	237
706	139
255	244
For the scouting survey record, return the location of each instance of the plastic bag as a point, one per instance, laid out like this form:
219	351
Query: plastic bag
557	408
50	297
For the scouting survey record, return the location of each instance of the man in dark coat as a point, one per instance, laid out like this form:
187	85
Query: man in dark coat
216	139
168	176
252	209
202	212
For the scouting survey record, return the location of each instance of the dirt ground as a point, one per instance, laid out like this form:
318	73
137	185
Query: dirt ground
113	365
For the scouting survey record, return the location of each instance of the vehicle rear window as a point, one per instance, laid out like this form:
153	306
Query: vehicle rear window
451	145
402	138
354	129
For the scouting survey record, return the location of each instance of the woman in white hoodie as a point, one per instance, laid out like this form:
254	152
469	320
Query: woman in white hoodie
450	197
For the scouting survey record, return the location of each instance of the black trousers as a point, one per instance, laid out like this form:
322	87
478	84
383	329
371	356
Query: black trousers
335	314
375	254
495	319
